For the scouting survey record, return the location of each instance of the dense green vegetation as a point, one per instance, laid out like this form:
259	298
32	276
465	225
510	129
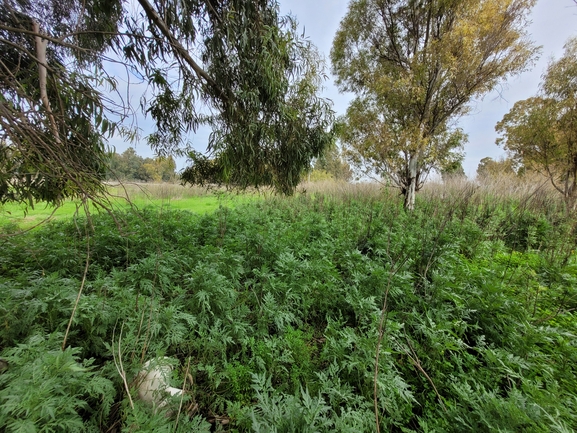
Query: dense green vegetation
128	165
273	308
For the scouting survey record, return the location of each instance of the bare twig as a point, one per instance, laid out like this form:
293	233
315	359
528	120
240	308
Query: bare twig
120	367
179	51
182	394
83	279
20	232
415	361
382	327
555	314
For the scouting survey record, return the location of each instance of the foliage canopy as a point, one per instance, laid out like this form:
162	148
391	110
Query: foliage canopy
130	166
541	132
490	168
415	66
331	165
234	65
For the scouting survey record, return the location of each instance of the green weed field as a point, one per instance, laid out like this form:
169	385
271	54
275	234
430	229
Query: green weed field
275	311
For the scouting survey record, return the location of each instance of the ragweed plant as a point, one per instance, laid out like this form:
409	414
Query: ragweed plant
273	313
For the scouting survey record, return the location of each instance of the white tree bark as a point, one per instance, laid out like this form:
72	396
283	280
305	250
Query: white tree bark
412	189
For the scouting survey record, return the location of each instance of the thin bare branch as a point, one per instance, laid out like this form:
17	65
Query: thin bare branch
87	263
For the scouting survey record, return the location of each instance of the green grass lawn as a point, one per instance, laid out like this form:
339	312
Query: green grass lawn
162	196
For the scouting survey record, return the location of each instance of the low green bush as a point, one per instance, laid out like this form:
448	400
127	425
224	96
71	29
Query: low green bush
273	311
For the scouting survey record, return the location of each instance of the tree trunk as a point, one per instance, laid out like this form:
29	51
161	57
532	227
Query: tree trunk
570	192
412	188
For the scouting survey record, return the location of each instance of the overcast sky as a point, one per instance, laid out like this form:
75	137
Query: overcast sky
553	23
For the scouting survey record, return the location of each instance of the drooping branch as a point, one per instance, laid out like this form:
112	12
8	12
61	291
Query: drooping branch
41	45
213	10
178	48
57	119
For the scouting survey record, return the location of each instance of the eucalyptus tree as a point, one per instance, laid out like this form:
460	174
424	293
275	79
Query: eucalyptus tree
415	66
374	144
235	65
541	132
489	168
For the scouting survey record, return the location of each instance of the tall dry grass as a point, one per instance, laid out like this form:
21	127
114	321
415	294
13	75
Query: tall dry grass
346	190
531	192
154	191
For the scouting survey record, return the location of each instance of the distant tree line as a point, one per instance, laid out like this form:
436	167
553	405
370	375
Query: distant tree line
331	166
128	165
490	168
